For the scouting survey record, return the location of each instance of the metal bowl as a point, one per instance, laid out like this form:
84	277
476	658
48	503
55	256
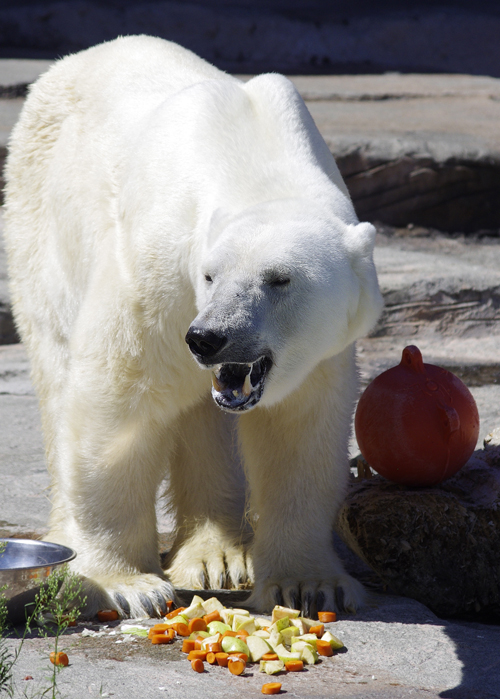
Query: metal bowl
25	566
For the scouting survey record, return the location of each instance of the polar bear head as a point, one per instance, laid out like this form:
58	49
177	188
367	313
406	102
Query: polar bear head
282	286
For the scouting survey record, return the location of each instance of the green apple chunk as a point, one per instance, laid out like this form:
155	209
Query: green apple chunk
257	647
180	619
280	624
218	627
262	623
284	654
289	633
275	638
212	605
309	656
195	611
231	644
311	638
335	642
262	633
272	667
244	623
198	634
279	612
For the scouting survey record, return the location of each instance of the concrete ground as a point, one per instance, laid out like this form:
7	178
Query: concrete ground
442	294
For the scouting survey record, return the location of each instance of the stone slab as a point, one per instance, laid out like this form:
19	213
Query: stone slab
395	648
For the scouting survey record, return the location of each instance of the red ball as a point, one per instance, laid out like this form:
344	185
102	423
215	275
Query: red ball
417	423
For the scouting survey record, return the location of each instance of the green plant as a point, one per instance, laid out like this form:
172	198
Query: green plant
57	605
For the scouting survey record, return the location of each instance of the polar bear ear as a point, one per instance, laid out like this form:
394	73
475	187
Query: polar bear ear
360	239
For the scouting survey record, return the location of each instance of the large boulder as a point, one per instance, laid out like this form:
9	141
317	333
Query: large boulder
438	545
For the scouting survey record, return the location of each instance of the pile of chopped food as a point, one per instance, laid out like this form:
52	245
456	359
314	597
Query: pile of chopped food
232	638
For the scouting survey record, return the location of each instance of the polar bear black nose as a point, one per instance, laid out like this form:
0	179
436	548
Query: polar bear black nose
204	343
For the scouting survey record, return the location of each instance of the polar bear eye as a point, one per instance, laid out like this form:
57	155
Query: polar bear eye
208	278
281	280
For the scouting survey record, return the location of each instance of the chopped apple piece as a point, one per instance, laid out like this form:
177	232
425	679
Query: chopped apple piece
271	666
280	612
212	605
335	642
257	647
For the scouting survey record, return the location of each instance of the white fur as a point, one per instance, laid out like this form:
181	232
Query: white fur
135	170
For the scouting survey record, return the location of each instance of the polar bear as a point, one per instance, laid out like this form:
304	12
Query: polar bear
189	276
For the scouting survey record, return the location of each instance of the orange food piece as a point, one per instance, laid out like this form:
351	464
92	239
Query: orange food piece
187	645
240	656
197	665
214	648
181	629
175	612
222	659
229	633
107	615
200	654
160	627
169	603
211	659
319	630
197	624
270	656
197	642
213	616
59	659
324	648
294	665
159	638
271	688
236	665
326	617
242	634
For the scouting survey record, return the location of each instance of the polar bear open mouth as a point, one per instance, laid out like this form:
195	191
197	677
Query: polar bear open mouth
238	387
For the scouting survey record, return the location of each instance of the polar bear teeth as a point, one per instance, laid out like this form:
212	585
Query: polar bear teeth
239	386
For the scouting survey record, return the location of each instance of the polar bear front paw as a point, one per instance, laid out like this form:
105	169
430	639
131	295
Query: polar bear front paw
211	563
132	595
342	592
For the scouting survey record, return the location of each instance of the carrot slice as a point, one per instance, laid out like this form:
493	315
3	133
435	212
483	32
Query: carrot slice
319	630
236	665
160	627
59	659
160	638
214	648
211	658
170	633
240	656
181	629
229	633
326	617
271	688
213	616
197	624
242	634
107	615
222	659
197	665
169	603
175	612
197	642
200	654
270	656
294	665
324	648
187	645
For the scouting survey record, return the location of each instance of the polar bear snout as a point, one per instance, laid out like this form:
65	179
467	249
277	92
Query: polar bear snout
204	343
